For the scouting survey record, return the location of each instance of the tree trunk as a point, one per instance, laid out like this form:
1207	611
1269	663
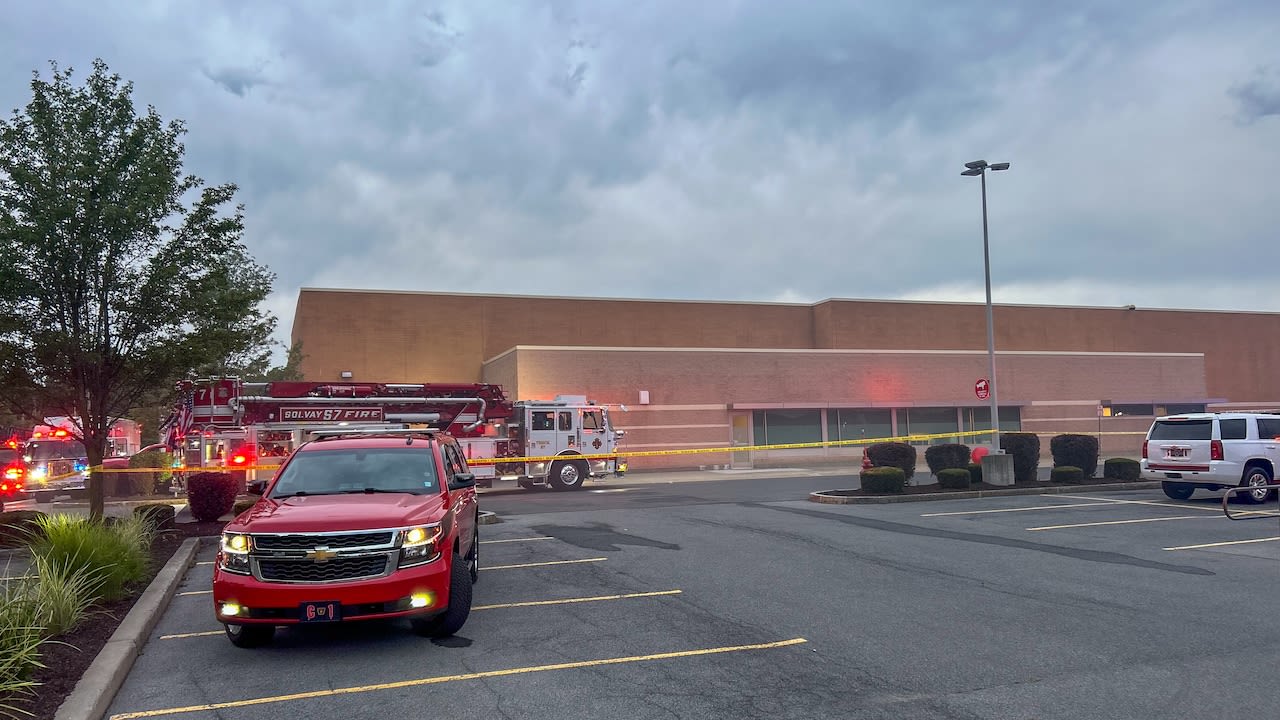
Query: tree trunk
97	502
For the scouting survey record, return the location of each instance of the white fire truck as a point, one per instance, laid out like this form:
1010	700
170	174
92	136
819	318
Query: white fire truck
225	422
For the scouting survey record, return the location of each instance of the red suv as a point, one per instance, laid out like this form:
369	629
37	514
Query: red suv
354	526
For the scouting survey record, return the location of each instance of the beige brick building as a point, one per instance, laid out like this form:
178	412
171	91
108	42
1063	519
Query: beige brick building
717	374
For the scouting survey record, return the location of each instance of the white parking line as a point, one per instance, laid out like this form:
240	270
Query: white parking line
1117	522
1222	544
1181	506
1018	509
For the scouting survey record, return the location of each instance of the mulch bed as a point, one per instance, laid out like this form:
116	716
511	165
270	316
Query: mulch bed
936	488
66	663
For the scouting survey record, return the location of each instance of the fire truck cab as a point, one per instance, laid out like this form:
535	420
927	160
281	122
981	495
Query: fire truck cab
227	423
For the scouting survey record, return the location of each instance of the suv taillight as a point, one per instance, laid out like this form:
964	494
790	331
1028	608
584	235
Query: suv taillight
1144	449
1215	450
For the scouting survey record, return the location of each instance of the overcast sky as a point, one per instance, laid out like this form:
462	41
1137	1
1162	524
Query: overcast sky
718	149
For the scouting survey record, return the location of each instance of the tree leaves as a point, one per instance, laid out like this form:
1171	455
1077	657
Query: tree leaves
122	272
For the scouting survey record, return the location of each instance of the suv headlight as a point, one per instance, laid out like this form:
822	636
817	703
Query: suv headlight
235	552
418	545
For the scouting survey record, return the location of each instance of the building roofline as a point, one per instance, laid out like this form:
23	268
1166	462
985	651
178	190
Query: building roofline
837	351
776	303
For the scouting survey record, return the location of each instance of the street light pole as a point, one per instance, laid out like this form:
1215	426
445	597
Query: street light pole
979	168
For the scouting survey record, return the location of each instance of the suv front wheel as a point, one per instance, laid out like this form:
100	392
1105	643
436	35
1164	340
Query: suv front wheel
455	615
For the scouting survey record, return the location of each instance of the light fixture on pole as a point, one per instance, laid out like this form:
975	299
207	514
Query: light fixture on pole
979	168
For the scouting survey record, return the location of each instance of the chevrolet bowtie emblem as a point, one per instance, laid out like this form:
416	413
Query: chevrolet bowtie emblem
321	554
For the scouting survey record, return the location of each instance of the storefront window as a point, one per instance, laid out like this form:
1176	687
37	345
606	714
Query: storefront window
931	421
979	418
860	424
778	427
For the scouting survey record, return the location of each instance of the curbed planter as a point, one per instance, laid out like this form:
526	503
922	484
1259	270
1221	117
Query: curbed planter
850	496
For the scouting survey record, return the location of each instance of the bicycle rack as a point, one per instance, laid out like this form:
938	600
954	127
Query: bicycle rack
1226	499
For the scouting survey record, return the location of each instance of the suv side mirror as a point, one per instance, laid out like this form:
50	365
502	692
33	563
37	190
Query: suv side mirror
257	487
462	481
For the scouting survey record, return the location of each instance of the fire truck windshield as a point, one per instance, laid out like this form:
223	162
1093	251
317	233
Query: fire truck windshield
40	450
377	470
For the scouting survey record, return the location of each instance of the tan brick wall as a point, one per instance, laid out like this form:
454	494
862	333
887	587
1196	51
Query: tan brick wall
424	337
691	388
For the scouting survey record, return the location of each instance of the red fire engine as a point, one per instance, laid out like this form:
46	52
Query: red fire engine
229	423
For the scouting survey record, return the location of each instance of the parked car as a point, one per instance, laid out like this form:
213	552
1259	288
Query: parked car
379	524
13	476
1213	451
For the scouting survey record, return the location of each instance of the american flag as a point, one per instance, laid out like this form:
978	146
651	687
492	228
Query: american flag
178	423
185	413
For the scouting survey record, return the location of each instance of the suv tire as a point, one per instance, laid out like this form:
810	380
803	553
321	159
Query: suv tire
455	615
250	636
1255	475
1177	491
473	564
568	474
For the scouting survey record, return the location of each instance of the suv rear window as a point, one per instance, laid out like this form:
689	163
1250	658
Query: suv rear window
1182	430
333	472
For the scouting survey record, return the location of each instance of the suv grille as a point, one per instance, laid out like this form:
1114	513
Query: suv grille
335	570
333	542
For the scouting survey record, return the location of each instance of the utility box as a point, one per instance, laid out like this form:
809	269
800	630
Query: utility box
997	469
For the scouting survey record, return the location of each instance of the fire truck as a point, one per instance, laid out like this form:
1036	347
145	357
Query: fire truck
225	422
57	462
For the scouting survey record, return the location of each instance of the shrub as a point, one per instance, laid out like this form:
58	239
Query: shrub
19	528
115	555
20	639
975	473
1025	449
942	457
954	478
894	454
243	504
883	479
150	483
1076	451
62	594
1123	469
1067	474
211	495
160	516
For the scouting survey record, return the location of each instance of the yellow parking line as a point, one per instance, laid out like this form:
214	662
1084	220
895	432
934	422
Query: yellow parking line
1221	544
1155	503
568	601
507	540
454	678
529	603
1118	522
1017	509
195	592
542	564
205	562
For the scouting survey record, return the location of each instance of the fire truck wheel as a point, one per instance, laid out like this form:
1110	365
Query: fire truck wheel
567	475
455	616
250	636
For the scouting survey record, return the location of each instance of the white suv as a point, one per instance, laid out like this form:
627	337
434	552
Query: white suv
1213	451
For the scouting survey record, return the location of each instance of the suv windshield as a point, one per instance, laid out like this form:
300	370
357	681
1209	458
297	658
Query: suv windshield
40	450
331	472
1182	430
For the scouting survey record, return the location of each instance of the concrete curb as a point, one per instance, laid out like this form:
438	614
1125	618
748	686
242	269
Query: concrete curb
488	517
95	691
823	497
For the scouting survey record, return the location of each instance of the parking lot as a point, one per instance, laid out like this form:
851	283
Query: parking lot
675	601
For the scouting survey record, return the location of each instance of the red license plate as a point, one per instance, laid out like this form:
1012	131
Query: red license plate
321	612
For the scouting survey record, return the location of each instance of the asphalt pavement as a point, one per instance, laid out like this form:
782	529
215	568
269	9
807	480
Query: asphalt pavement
738	598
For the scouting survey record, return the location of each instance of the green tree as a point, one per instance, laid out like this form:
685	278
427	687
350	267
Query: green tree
121	272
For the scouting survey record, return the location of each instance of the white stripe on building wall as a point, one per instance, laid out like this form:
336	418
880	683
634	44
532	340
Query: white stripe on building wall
631	446
630	428
642	408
